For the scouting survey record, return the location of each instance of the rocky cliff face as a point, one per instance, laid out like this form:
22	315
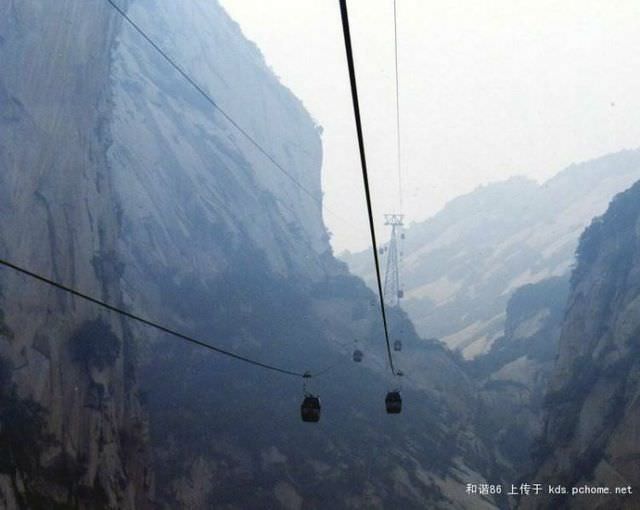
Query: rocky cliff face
72	432
190	183
592	415
119	179
513	376
461	266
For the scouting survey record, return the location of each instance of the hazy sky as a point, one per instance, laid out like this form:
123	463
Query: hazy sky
488	89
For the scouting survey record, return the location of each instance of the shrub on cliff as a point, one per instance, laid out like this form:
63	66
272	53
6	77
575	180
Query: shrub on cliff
95	344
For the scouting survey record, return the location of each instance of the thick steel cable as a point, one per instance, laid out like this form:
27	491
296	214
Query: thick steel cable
363	163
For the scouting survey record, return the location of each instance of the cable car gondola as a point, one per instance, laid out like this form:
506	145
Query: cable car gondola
397	346
400	294
393	402
357	355
310	408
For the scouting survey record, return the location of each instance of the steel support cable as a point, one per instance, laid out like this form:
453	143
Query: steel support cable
363	163
395	37
155	325
223	112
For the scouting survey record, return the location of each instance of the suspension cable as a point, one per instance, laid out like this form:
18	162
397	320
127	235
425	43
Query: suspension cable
152	324
363	164
395	37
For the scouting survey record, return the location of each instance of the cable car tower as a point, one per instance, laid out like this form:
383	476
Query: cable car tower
392	290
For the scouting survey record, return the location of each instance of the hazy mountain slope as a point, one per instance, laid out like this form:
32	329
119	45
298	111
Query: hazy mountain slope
237	254
119	179
226	435
513	376
461	266
592	415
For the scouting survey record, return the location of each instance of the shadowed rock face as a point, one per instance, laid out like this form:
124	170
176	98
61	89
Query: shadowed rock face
513	376
461	266
118	179
72	429
591	411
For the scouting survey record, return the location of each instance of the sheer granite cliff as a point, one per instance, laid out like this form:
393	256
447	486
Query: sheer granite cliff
592	416
72	432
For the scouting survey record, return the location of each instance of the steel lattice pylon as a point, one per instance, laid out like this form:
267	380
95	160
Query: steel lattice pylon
392	290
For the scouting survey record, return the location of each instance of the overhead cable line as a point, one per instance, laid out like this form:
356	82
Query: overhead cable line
222	111
154	325
395	36
363	164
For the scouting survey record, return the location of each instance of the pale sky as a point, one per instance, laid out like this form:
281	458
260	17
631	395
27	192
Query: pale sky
488	89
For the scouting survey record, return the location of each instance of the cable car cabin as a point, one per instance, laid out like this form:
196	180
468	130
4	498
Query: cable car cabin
381	251
402	236
310	409
400	294
357	355
393	402
397	346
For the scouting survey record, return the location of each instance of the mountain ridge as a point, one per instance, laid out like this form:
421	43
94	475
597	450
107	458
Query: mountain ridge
461	266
